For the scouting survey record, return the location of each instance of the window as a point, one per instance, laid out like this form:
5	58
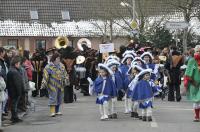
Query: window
34	15
65	15
40	44
12	43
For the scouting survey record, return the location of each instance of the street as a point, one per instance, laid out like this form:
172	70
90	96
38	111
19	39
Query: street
83	116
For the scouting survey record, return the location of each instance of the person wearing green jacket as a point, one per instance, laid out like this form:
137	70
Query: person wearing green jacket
192	82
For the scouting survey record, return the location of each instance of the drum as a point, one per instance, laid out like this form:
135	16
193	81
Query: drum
80	72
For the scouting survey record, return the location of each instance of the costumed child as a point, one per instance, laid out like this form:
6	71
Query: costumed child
117	78
104	87
143	93
148	59
192	82
125	65
131	74
130	82
139	61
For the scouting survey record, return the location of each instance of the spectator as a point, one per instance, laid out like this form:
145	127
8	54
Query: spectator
15	87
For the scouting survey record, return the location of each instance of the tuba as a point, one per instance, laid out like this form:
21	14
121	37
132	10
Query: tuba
61	42
83	41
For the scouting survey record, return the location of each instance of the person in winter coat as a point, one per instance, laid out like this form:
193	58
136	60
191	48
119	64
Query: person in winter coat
15	86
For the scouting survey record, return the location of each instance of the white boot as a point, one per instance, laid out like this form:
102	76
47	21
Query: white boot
126	104
101	112
130	105
105	110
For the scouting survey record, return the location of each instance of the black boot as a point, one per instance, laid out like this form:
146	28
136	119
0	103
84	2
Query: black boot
149	118
144	118
114	116
136	115
110	116
132	114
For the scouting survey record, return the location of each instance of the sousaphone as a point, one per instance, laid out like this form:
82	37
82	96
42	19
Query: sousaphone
61	42
83	41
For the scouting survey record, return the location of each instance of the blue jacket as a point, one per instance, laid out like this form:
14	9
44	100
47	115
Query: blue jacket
109	86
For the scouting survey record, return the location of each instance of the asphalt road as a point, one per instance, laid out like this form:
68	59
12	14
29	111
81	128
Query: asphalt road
83	116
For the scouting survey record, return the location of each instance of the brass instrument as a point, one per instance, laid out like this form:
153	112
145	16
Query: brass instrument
82	41
61	42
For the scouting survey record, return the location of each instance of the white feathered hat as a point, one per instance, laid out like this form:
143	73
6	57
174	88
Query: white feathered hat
144	72
147	54
112	57
134	67
104	66
112	62
126	57
138	58
132	52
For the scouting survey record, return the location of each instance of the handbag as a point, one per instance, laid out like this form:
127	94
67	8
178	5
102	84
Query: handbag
3	96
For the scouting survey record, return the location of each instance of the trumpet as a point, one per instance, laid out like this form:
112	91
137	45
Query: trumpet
61	42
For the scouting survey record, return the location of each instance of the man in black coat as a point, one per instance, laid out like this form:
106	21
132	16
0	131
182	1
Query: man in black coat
15	87
173	64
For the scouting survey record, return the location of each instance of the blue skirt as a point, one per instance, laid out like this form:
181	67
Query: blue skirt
101	99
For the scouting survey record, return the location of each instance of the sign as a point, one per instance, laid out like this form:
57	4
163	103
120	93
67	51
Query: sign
176	25
106	48
134	24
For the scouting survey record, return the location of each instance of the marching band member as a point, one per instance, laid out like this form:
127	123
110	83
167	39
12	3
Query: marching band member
143	92
104	87
117	78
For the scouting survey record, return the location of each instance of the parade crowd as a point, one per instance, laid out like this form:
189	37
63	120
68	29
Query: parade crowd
134	75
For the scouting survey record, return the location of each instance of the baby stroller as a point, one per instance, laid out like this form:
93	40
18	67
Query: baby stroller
163	81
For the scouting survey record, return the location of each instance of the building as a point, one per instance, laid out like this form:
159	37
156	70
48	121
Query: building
32	24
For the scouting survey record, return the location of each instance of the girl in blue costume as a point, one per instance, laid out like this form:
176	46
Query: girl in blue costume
117	78
143	92
104	87
148	59
126	64
139	61
131	74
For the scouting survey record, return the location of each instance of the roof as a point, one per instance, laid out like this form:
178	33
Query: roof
50	10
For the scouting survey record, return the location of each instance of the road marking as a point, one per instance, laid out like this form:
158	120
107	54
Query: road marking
154	124
178	109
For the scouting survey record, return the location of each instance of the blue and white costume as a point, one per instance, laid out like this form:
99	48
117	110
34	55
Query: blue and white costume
150	65
104	88
130	82
143	92
118	80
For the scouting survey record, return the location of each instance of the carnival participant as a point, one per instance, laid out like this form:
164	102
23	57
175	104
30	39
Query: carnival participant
192	82
130	82
126	64
139	61
104	87
54	80
148	59
143	92
118	80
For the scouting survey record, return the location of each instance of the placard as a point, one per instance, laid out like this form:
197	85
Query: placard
106	48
